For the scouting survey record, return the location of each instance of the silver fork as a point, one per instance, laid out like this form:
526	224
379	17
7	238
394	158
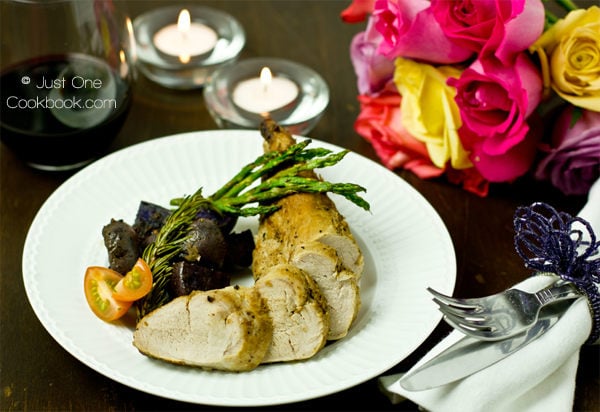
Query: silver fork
502	315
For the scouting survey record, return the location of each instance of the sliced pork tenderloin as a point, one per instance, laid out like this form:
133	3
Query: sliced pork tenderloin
226	329
308	231
298	312
338	286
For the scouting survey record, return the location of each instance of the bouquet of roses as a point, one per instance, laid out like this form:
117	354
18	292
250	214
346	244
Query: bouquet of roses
480	91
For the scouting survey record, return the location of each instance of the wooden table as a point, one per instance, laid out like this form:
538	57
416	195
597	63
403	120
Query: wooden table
38	374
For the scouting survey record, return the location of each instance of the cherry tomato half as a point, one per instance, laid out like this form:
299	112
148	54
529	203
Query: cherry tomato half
99	285
136	284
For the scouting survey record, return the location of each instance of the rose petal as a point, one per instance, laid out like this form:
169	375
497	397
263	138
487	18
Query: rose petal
372	70
497	27
523	24
576	80
506	167
494	102
429	111
379	123
410	30
357	11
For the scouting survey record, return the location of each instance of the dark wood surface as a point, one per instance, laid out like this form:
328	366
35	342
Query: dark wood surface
38	374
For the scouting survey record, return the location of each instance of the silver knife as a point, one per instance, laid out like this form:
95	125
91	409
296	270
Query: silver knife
470	355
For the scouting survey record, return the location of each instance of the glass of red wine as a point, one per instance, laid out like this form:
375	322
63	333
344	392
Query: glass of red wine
66	70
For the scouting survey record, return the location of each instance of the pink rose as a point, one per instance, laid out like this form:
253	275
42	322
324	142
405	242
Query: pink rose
372	70
502	28
357	11
572	159
495	102
379	123
409	30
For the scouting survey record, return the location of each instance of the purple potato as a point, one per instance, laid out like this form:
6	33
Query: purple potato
225	222
205	244
239	248
148	221
122	244
189	276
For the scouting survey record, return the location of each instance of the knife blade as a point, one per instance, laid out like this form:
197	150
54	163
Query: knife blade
470	355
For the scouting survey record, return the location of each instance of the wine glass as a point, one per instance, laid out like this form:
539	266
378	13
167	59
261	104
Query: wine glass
66	73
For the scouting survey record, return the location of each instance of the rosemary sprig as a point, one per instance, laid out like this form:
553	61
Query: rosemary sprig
280	175
167	245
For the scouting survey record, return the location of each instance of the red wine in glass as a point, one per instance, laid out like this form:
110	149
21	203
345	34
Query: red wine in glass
59	112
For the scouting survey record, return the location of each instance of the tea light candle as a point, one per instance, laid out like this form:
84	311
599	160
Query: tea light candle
185	39
184	55
264	94
293	95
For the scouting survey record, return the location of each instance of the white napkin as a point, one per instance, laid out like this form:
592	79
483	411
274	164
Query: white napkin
539	377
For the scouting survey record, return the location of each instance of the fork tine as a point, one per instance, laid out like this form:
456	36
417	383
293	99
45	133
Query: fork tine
469	328
489	334
461	312
450	301
482	334
458	326
469	323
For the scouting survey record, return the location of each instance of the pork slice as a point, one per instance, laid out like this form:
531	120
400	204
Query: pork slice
227	329
267	253
339	286
298	312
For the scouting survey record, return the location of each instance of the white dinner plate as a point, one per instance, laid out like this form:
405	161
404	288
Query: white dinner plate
406	246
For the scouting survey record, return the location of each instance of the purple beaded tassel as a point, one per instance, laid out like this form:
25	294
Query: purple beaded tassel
556	242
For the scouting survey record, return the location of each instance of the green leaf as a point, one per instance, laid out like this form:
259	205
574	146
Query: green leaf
576	114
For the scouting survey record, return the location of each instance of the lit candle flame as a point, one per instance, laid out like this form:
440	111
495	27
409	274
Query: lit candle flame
265	78
184	22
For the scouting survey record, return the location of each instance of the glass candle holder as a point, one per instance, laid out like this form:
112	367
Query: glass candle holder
181	50
240	96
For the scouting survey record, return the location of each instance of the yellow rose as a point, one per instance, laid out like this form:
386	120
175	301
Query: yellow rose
573	47
429	112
